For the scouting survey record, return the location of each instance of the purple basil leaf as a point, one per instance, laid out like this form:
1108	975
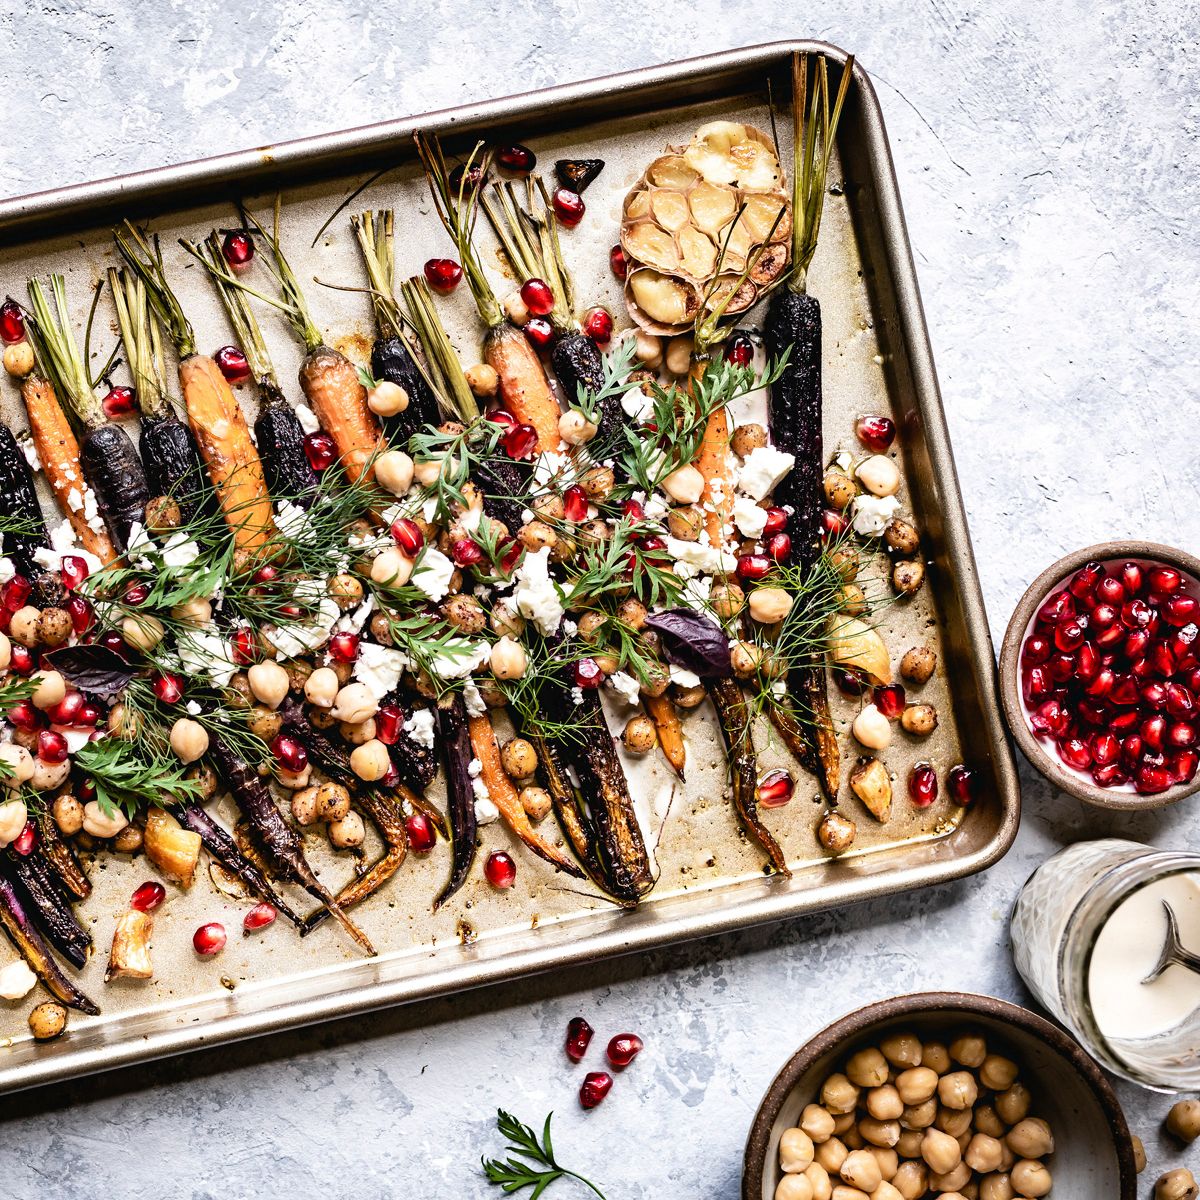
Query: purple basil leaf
693	641
92	668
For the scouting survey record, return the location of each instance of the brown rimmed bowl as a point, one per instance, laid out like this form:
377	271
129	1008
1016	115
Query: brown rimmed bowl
1093	1155
1039	753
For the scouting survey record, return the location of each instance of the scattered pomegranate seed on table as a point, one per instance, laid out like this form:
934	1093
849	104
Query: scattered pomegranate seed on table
618	262
168	687
962	784
520	441
232	363
568	207
25	841
516	158
209	939
538	297
148	896
237	248
500	870
119	402
922	785
259	917
443	274
464	180
598	325
596	1085
739	350
540	332
623	1049
775	789
12	322
421	833
877	433
319	450
579	1037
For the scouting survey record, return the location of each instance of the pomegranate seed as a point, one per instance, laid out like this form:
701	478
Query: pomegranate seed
776	522
465	181
407	535
538	297
237	248
232	363
877	433
465	552
1154	693
1124	691
1132	578
137	593
1135	614
739	350
422	835
1164	580
12	322
209	939
80	610
848	682
289	753
922	785
1061	667
1180	610
388	723
539	331
1111	637
568	207
319	450
1103	615
623	1049
1092	713
86	791
1150	780
779	547
516	158
833	523
1110	590
575	503
1137	642
245	646
1179	701
633	511
74	571
1181	734
1049	718
1084	582
1057	607
520	441
67	710
51	746
119	402
500	870
1162	660
343	647
16	593
1122	727
265	574
1037	683
962	784
653	544
443	275
259	917
890	700
598	325
596	1085
619	263
1087	663
1105	749
89	714
168	687
25	841
1183	766
588	673
1037	649
775	789
1075	753
148	896
499	416
21	660
512	551
579	1038
1068	635
1154	731
1109	775
753	567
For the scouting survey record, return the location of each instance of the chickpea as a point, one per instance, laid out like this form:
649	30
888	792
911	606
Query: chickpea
983	1154
936	1057
860	1170
269	682
19	359
901	1050
575	429
128	840
518	758
99	823
685	523
831	1154
321	687
1139	1154
348	832
872	728
640	735
632	612
950	1182
885	1191
1031	1138
908	576
958	1090
304	806
986	1121
54	627
854	600
47	1020
817	1122
1031	1178
537	535
769	605
746	658
852	1139
483	380
879	1133
795	1150
391	568
954	1121
819	1181
237	693
887	1158
354	703
394	471
142	632
747	438
836	833
867	1068
689	697
47	776
911	1180
50	688
919	719
536	802
940	1151
68	814
597	483
357	732
332	801
879	475
678	356
508	659
996	1186
845	561
465	613
23	626
263	722
794	1187
727	600
997	1072
1184	1120
900	537
1179	1184
839	488
195	613
1012	1105
917	1084
370	761
909	1143
649	350
884	1103
5	651
839	1095
189	741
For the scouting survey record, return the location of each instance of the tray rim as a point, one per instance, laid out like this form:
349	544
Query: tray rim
76	205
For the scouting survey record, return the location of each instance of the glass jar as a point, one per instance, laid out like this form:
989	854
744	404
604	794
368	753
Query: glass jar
1056	924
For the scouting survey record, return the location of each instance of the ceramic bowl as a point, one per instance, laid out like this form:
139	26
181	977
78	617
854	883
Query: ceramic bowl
1041	754
1093	1154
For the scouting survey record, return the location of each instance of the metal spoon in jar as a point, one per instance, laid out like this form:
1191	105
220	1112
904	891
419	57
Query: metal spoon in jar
1174	953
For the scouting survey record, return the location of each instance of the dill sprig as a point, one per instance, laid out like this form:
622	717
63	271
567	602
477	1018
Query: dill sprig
547	663
460	455
130	775
621	564
530	1163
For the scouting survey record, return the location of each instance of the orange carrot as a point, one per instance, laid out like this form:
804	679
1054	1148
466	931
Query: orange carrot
332	388
670	731
504	795
223	438
58	449
524	389
713	461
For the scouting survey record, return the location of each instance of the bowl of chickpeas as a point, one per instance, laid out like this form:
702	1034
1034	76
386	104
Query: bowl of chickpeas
941	1094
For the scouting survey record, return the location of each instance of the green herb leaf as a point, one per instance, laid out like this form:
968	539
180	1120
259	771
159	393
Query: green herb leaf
514	1174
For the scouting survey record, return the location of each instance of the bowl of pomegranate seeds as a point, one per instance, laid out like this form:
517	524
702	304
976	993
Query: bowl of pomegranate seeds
1100	674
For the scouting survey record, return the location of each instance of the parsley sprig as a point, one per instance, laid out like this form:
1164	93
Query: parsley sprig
530	1163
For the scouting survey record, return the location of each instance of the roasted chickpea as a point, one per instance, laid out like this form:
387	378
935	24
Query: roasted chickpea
597	483
919	719
357	732
685	523
746	658
795	1150
304	806
836	833
727	600
347	832
483	380
54	626
68	814
465	613
845	561
346	591
769	605
678	354
128	840
575	429
23	626
1031	1178
1184	1120
908	576
689	697
269	682
163	514
19	359
839	488
632	612
189	740
332	801
536	802
536	535
518	758
900	536
47	1020
370	761
747	438
264	722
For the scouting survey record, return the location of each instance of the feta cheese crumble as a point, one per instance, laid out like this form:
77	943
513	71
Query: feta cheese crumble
763	469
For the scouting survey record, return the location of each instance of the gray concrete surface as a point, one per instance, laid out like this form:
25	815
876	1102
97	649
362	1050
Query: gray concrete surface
1049	163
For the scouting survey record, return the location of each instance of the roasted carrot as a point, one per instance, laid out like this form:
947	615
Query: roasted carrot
223	438
332	388
58	448
504	796
713	461
524	389
670	731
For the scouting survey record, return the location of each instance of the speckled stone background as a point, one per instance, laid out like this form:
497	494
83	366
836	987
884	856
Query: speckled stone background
1049	160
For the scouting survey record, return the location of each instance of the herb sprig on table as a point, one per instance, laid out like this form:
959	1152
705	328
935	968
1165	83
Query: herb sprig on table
539	1172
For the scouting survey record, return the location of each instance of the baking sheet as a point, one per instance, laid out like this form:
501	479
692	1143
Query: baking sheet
876	360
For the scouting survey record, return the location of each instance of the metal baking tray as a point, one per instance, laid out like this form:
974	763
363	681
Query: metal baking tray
877	358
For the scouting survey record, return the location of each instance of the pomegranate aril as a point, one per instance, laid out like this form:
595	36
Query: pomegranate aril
343	647
1110	775
74	571
1068	635
1083	584
1181	735
1124	691
1061	667
1179	701
209	939
443	274
119	402
89	715
779	547
598	325
833	524
1102	616
81	613
1087	663
775	789
465	552
596	1085
1149	780
1180	610
232	364
1110	637
1111	591
320	450
623	1049
24	716
1075	753
12	322
618	263
877	433
407	535
1049	718
539	332
1090	712
1137	642
520	441
16	593
1037	649
1105	748
289	753
500	870
20	660
259	917
575	503
890	700
244	647
753	567
776	522
422	835
1164	580
962	784
1135	613
265	574
588	673
739	350
237	248
1183	765
633	512
148	896
579	1038
51	746
516	158
67	710
1057	607
168	687
1132	749
922	785
25	841
464	180
538	297
1125	723
848	682
1154	693
1132	577
1037	683
389	721
568	207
